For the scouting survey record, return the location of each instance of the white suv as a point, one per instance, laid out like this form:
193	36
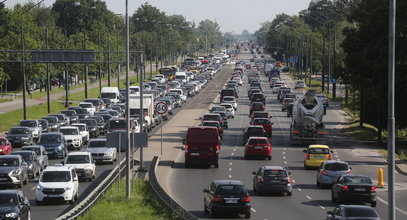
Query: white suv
83	130
83	163
72	137
57	182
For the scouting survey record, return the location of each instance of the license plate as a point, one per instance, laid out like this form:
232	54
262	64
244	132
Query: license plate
275	181
319	157
194	154
3	179
231	201
360	189
258	148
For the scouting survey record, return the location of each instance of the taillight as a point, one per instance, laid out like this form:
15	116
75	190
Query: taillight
323	172
289	180
345	188
349	172
307	157
217	149
186	148
217	199
329	156
261	179
373	189
246	199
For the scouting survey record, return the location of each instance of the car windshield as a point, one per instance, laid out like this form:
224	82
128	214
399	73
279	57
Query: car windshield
89	122
318	151
228	99
257	141
357	180
76	159
2	142
19	131
28	124
81	111
227	106
44	124
51	120
257	104
211	124
8	162
96	144
275	172
80	127
336	166
69	131
230	189
69	113
28	157
8	199
86	105
55	176
359	212
255	131
260	115
211	118
50	139
288	100
117	123
60	117
108	95
35	149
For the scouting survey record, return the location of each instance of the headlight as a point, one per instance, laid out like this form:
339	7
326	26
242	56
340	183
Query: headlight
16	171
54	126
24	138
59	147
39	188
68	187
76	139
93	129
11	215
110	153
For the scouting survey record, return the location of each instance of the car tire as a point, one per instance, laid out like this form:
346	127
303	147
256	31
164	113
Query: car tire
289	193
373	203
306	167
20	185
212	213
247	215
187	165
216	165
25	182
72	201
318	183
29	215
269	157
39	203
332	196
339	199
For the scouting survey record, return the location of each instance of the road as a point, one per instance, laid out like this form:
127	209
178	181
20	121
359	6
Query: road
307	201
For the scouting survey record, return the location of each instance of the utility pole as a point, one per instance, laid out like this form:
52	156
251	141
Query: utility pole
100	67
334	67
329	61
66	76
47	72
128	171
108	63
86	67
323	62
23	70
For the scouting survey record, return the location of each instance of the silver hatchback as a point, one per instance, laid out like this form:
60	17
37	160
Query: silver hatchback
330	171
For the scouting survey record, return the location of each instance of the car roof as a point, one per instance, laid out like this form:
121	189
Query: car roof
10	156
211	122
32	146
22	151
274	168
355	175
356	206
318	146
68	127
98	139
52	133
19	127
335	161
83	124
79	153
228	182
29	120
58	168
10	191
261	119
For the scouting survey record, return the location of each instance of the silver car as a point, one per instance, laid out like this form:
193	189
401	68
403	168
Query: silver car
330	170
42	155
100	152
30	157
33	125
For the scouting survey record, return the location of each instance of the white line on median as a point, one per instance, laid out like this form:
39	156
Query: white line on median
308	197
33	188
398	209
230	169
283	152
230	176
232	154
284	158
253	210
285	162
320	206
230	164
299	189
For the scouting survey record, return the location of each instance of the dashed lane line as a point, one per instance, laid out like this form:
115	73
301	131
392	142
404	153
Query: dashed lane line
385	202
253	210
308	197
320	206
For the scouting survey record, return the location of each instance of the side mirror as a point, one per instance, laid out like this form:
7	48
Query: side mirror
254	173
6	132
289	173
305	151
205	190
75	179
332	151
25	164
45	153
350	168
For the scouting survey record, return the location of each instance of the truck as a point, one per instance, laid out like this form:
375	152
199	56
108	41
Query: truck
307	114
148	109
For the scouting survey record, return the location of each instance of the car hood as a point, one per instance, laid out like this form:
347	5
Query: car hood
8	209
17	135
6	170
79	166
54	184
51	145
70	137
99	150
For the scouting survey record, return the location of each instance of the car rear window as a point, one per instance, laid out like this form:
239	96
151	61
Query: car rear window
359	212
275	172
257	104
357	180
255	130
257	141
336	166
230	189
318	151
211	118
261	115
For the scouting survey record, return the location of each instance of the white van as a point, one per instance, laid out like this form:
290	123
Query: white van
111	93
181	76
134	90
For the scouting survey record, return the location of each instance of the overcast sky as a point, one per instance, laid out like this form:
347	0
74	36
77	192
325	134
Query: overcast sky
231	15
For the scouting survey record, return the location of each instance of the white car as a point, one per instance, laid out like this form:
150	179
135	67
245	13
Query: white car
57	182
88	106
230	99
238	80
33	125
83	131
100	152
159	79
83	163
230	110
181	94
72	137
276	87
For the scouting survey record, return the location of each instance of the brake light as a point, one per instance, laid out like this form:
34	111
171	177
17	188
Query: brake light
186	148
217	199
295	132
289	180
329	156
323	172
373	189
217	148
246	199
261	179
322	132
349	172
345	188
307	157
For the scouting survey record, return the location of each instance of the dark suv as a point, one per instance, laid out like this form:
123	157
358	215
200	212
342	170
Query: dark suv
20	136
14	205
272	179
227	196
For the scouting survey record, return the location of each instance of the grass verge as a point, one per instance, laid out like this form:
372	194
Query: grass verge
143	204
5	100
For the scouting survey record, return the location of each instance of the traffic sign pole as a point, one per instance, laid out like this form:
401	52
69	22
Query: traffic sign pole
161	108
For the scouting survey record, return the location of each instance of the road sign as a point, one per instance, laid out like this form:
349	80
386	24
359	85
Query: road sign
161	108
333	80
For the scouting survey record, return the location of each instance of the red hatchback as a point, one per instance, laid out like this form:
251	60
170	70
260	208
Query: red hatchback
257	106
265	122
258	147
5	146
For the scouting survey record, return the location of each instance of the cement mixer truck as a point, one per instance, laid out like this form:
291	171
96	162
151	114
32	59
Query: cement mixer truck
306	124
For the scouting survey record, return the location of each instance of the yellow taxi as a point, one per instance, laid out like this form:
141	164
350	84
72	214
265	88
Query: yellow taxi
315	155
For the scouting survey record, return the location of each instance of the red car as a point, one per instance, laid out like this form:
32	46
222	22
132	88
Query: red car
265	122
257	106
215	124
260	114
258	147
5	146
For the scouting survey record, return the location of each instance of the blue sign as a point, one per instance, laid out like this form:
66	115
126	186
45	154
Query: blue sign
333	80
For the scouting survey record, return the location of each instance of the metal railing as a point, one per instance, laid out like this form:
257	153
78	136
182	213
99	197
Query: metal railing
163	197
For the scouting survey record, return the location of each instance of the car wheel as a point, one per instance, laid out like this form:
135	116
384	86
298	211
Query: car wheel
318	183
269	157
39	203
305	167
187	165
72	201
332	196
216	165
339	199
212	213
289	193
25	182
20	185
247	215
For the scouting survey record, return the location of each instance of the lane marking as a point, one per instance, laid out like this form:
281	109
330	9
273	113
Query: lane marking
284	158
234	149
283	152
253	210
308	197
230	164
299	189
230	176
232	154
230	169
386	203
285	162
320	206
32	189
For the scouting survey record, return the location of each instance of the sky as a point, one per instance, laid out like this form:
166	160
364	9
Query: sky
231	15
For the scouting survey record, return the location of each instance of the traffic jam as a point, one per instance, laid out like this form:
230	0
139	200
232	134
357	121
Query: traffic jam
231	196
59	152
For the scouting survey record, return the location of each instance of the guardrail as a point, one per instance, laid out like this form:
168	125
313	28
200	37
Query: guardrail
163	197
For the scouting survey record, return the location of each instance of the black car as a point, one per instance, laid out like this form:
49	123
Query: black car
44	125
33	165
351	212
258	97
62	119
13	171
101	124
55	144
20	136
72	115
53	123
272	179
227	196
354	188
82	113
14	205
92	126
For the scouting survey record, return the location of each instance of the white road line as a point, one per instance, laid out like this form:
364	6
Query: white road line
230	176
234	149
308	197
285	148
232	154
398	209
230	169
336	156
293	181
32	189
284	158
285	162
253	210
283	152
230	164
320	206
299	189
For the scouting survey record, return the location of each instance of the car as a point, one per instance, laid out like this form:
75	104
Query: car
217	108
351	212
266	123
214	117
101	124
315	155
83	131
227	196
44	125
83	163
228	92
72	115
13	171
272	179
281	91
260	114
324	99
257	106
72	137
41	152
33	125
5	146
54	143
253	90
275	88
100	152
258	97
300	85
88	106
19	136
330	170
62	119
253	131
97	104
224	116
30	158
230	99
82	112
213	124
200	150
92	127
230	110
57	182
258	147
14	205
354	188
53	123
286	102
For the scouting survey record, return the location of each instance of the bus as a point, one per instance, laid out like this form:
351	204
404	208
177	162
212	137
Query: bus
168	72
